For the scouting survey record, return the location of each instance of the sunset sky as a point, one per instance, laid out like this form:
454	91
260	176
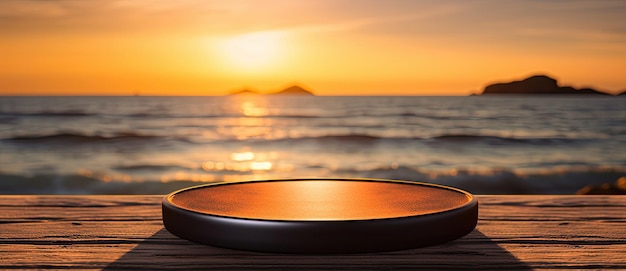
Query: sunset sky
333	47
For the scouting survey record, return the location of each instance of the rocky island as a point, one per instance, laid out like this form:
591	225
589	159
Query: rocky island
538	84
294	90
244	92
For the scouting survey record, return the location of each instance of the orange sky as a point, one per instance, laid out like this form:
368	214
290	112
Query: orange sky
333	47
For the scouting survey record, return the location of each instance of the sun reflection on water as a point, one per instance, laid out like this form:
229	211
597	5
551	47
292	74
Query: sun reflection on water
244	162
251	109
242	156
261	165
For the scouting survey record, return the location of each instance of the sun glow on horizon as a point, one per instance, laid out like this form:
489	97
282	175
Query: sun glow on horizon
350	47
252	52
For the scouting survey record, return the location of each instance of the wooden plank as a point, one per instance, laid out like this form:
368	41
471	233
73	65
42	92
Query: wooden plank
125	232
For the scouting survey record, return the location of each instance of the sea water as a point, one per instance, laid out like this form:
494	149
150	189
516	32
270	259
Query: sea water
146	145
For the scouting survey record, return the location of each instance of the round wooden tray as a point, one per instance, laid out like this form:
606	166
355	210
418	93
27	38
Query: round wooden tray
320	215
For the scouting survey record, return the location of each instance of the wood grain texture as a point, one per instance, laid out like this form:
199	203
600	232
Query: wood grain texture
125	232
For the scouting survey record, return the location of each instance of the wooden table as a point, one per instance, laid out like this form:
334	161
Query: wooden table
125	232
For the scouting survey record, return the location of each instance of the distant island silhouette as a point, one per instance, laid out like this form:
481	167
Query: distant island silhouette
294	90
244	92
537	84
533	85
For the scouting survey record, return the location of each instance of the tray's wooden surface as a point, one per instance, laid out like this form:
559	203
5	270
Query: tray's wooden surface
125	232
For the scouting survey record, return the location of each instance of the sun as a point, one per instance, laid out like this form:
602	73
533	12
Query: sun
252	51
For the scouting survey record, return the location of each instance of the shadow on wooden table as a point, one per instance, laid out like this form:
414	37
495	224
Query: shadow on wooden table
163	250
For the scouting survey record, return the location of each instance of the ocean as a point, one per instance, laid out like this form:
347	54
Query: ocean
155	145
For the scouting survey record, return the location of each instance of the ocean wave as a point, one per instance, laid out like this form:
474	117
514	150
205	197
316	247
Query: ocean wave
176	116
351	138
7	120
78	184
501	181
497	181
439	139
490	139
66	113
415	115
226	116
79	138
346	137
302	116
150	167
425	115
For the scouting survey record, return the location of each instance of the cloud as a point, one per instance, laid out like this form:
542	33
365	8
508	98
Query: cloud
26	17
503	21
30	9
234	14
500	21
